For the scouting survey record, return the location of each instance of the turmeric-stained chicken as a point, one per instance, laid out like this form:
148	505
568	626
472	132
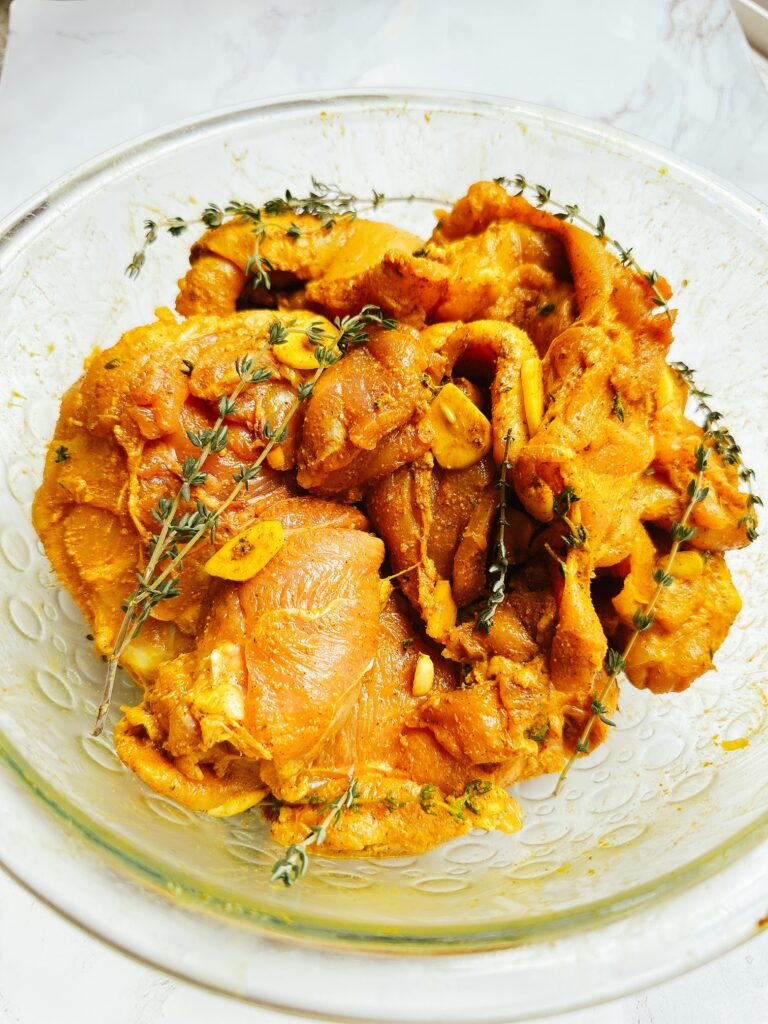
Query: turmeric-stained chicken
390	504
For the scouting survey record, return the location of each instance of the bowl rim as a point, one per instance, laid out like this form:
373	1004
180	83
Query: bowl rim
73	183
32	217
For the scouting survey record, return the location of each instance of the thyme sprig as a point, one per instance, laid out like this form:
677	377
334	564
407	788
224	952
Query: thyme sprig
577	535
327	203
175	529
294	863
152	228
571	213
211	441
644	617
725	445
497	571
179	535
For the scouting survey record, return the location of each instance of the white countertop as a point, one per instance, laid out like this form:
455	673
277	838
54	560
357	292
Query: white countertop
81	76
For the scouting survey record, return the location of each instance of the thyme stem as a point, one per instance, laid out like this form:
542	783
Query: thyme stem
498	570
326	203
294	863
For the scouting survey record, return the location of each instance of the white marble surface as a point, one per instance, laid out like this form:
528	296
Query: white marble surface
84	75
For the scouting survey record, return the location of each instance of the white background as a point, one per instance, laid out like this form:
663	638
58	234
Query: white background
83	75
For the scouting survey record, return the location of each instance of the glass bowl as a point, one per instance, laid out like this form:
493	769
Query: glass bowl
649	861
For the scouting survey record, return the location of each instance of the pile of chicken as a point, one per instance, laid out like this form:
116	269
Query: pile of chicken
356	648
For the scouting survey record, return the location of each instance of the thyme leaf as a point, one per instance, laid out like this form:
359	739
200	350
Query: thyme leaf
458	805
538	733
561	503
427	797
618	407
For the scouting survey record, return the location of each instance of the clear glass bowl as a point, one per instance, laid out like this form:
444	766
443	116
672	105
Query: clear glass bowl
648	861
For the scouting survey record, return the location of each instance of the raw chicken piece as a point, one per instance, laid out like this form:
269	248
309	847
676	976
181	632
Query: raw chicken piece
691	618
358	407
296	249
124	428
413	794
278	665
422	512
485	260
